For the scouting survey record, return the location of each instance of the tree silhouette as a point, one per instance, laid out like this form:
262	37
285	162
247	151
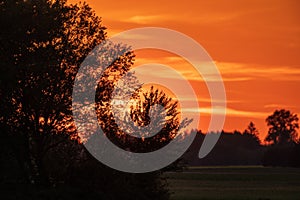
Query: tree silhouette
163	123
43	42
252	132
283	125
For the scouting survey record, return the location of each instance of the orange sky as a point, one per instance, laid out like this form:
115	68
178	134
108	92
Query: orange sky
254	43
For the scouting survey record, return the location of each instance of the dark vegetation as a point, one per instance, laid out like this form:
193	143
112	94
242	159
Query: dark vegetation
231	149
245	148
43	43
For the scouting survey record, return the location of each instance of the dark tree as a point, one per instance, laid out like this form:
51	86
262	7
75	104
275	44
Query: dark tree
283	127
129	136
252	131
43	42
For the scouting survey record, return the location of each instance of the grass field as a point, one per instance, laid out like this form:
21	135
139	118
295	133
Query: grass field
231	183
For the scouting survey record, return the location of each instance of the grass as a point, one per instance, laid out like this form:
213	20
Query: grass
254	182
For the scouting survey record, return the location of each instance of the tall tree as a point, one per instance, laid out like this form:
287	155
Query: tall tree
252	132
43	44
283	127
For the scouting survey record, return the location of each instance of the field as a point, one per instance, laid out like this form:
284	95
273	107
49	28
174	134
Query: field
231	183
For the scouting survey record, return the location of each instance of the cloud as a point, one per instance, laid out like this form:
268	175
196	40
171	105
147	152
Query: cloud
205	100
277	106
206	16
230	71
272	72
188	72
144	19
229	112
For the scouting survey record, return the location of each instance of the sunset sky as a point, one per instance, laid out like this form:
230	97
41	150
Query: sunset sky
254	43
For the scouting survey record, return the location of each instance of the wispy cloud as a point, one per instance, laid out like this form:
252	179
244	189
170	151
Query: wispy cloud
205	100
255	70
277	106
144	19
187	71
229	112
229	71
206	17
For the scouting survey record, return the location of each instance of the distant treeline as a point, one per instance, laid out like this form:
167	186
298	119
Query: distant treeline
236	148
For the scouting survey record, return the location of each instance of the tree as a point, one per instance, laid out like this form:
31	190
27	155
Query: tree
252	132
283	127
43	42
139	115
